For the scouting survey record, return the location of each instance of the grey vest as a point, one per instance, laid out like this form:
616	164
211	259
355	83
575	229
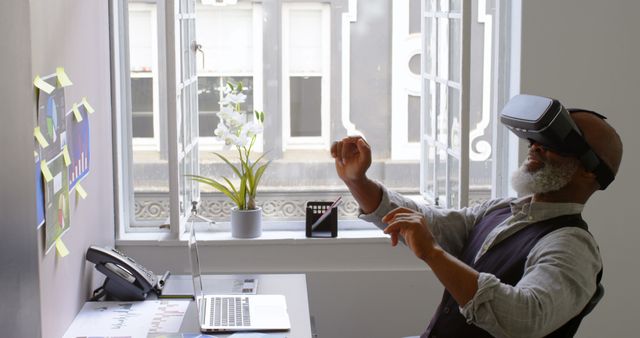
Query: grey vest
506	261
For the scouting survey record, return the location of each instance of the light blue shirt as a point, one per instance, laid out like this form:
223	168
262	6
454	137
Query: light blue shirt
559	275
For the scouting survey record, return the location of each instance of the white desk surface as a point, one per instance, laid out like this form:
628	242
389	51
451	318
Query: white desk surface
292	286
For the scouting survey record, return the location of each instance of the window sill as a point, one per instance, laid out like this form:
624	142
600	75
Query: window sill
267	238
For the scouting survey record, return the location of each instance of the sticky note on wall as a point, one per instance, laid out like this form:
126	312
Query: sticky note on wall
61	248
45	171
80	190
43	85
63	79
65	155
87	105
76	112
38	135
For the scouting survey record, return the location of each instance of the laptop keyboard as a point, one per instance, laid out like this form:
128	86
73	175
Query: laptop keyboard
230	311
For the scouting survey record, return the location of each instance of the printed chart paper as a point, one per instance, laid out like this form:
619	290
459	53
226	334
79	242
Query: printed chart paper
127	319
56	201
77	140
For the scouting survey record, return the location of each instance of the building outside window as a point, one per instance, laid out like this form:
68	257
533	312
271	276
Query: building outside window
320	70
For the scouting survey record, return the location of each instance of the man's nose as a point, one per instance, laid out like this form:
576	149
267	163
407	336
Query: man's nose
536	147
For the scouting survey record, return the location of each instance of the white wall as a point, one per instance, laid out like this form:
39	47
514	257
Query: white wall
586	53
18	254
73	34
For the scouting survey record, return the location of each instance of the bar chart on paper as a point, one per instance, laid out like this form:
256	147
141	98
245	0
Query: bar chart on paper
127	319
168	316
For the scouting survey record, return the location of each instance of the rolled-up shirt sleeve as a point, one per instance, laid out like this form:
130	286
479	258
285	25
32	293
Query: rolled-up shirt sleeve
450	227
558	281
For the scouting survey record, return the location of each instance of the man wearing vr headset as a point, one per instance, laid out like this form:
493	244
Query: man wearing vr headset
516	267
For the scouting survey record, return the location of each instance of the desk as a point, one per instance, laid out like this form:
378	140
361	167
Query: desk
293	287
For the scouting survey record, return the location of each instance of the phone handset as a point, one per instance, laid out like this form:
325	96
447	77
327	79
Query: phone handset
126	279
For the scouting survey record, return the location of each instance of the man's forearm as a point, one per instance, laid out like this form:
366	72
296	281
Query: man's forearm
458	278
367	193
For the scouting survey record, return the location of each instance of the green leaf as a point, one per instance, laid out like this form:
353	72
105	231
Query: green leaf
258	160
231	185
260	171
233	167
262	117
243	193
230	85
218	186
239	86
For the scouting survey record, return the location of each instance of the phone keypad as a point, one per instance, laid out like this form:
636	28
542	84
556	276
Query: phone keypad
148	273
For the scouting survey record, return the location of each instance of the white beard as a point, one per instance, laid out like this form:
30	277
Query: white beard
546	179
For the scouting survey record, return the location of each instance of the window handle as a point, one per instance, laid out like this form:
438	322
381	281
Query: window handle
198	48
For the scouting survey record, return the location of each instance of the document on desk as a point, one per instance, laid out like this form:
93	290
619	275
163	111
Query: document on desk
128	319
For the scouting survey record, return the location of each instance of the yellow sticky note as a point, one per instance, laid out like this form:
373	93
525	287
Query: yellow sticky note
81	191
43	85
62	77
87	105
76	112
38	134
61	248
65	155
45	171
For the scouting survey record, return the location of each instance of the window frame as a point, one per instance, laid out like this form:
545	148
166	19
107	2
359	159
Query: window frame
121	100
432	140
150	143
208	143
306	142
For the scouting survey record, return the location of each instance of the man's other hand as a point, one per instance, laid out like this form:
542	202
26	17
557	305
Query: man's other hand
352	157
413	227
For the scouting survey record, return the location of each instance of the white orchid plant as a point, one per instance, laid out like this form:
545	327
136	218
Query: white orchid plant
236	130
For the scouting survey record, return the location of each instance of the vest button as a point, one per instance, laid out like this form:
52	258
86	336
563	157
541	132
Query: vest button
446	310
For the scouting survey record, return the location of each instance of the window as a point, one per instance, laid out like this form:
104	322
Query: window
305	75
144	75
320	72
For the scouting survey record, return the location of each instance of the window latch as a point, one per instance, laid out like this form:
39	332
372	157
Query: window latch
198	48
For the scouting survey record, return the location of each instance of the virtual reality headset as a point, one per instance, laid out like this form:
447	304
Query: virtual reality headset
545	121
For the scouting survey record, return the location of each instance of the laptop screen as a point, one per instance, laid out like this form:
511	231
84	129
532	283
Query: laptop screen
195	272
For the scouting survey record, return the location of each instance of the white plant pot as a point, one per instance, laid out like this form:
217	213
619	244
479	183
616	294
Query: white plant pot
246	223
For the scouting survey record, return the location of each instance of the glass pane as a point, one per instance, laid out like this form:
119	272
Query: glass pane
306	93
184	42
413	126
430	44
429	104
142	125
443	5
454	119
430	160
455	6
142	107
192	40
305	41
441	176
179	119
209	96
428	5
149	168
455	49
453	181
414	16
226	36
443	49
187	114
442	114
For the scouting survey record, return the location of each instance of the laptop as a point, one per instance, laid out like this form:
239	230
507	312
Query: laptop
235	312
